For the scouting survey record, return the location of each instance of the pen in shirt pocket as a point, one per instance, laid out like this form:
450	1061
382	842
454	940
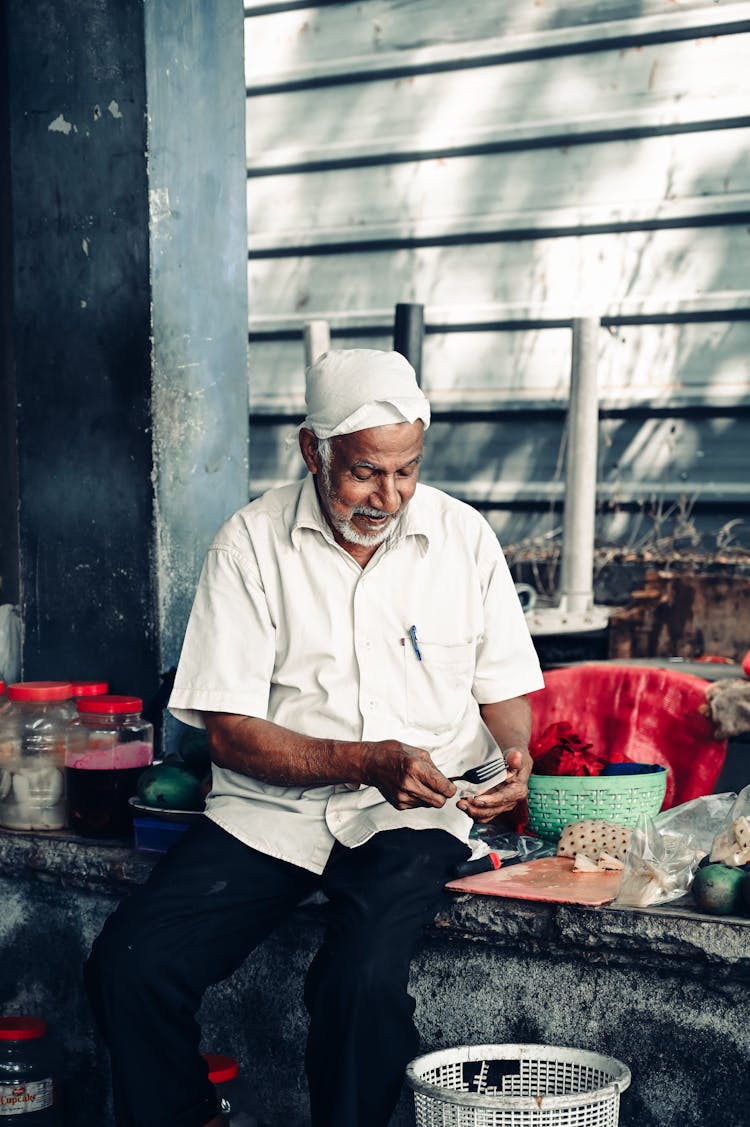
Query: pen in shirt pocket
414	641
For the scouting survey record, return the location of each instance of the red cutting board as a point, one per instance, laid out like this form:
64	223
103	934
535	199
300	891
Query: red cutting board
549	878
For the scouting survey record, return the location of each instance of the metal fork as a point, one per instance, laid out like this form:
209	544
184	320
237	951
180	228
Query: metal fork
484	776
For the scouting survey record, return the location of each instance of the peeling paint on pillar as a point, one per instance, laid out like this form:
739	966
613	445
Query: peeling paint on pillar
60	125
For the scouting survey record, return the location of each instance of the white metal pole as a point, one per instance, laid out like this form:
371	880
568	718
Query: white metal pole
577	561
317	340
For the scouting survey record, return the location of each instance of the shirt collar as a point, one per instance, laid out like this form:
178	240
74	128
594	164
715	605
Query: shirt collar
308	513
415	521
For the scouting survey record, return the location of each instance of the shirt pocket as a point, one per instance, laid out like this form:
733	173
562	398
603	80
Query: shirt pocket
438	687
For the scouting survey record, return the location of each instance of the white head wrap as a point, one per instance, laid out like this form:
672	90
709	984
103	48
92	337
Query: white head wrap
357	388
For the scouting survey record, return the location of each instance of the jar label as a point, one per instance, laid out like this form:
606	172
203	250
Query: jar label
18	1099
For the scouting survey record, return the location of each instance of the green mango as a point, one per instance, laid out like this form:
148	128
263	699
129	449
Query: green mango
170	786
717	889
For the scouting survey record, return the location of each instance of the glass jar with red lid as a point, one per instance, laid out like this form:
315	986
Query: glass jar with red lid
102	775
34	737
89	688
28	1073
235	1097
81	689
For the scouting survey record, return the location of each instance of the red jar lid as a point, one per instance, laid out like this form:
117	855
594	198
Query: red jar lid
22	1028
109	704
89	688
220	1067
40	690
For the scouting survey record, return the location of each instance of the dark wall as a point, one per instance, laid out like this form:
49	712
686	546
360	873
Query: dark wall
8	471
80	322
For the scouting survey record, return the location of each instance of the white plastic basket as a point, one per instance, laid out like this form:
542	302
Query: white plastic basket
516	1086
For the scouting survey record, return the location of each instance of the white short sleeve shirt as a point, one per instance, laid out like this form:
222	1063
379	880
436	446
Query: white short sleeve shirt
288	627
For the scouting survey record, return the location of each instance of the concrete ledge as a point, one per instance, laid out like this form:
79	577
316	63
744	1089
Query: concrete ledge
671	936
76	862
663	989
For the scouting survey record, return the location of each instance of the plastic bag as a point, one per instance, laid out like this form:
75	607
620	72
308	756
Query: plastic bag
732	844
665	851
508	844
700	819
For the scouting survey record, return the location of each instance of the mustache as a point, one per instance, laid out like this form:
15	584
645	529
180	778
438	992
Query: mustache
366	511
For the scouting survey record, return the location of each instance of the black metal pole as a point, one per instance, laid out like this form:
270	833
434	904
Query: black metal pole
408	333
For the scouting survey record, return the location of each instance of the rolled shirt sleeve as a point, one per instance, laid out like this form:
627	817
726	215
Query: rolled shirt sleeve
507	665
229	650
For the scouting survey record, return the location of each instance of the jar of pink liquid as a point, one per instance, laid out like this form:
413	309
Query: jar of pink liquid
101	775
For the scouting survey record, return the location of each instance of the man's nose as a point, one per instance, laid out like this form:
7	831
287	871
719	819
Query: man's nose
387	496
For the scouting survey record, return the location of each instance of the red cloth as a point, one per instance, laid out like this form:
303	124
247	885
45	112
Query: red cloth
561	751
636	713
746	664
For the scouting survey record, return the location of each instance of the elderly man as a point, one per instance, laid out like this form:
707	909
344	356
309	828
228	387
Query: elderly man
356	642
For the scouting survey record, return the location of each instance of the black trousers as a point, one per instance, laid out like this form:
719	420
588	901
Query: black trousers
208	903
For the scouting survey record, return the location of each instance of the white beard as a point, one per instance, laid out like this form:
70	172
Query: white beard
344	526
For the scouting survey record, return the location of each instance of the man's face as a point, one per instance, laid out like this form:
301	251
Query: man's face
370	480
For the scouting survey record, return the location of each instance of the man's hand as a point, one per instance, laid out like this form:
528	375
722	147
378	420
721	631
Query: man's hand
507	794
404	775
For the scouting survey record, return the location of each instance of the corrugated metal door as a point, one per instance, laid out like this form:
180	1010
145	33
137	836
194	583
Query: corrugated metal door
511	166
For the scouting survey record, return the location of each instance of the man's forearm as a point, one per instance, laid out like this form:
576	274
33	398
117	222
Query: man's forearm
509	721
273	754
405	776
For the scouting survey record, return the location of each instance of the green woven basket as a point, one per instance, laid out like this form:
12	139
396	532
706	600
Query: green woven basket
555	800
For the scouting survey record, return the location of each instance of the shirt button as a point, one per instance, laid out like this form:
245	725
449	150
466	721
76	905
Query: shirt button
368	645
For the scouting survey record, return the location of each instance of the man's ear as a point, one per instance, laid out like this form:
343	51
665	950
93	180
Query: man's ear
308	444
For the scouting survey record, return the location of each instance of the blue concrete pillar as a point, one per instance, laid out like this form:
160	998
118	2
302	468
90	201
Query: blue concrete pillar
195	90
